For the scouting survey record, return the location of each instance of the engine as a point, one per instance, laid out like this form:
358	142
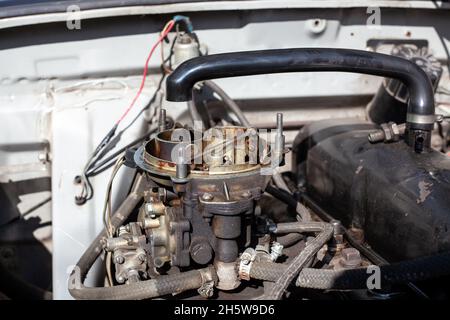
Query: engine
211	210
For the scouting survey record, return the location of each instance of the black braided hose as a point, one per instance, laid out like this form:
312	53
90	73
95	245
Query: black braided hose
419	269
325	230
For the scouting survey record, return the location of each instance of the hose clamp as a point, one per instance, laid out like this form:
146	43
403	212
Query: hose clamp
420	119
208	282
245	264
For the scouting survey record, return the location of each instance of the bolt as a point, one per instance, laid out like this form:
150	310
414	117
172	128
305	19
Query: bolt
119	259
376	136
120	279
279	123
142	257
162	120
207	196
389	132
338	229
246	195
351	257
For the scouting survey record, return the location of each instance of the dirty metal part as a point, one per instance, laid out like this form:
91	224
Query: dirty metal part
276	251
218	151
128	253
162	120
350	258
201	251
227	275
245	263
130	264
209	280
169	238
389	132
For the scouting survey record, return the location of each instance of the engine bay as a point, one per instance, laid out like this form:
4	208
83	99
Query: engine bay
195	194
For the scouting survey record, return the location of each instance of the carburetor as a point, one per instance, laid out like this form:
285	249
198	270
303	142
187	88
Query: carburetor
200	207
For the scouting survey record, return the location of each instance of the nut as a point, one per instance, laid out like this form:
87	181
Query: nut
351	257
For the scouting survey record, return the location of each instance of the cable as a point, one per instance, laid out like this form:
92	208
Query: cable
164	33
107	203
109	161
93	167
108	143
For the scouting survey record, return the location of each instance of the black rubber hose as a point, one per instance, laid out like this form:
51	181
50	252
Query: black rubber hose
420	106
141	290
325	230
420	269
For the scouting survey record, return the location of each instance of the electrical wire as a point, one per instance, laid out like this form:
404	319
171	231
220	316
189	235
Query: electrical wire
108	261
167	28
108	143
107	204
109	161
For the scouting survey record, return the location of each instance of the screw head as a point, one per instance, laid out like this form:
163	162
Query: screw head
246	195
119	259
207	196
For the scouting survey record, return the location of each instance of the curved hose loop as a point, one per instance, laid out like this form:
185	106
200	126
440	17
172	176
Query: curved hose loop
141	290
420	113
325	230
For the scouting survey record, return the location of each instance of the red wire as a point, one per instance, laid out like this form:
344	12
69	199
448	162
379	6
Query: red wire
169	27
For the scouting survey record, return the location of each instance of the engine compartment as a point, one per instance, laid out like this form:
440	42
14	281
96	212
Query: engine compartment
203	202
